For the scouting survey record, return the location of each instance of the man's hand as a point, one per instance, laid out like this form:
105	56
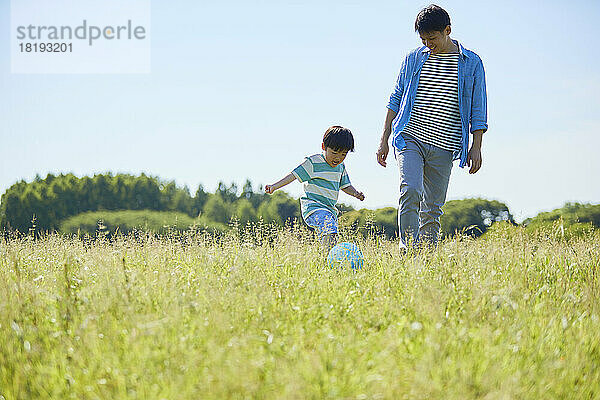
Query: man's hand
384	148
382	152
474	160
474	156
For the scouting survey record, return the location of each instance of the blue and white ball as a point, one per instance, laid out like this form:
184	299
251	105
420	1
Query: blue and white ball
345	255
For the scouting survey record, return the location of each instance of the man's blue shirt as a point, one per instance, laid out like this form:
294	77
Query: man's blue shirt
472	97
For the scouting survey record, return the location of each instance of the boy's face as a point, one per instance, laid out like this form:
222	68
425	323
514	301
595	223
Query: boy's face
333	157
437	41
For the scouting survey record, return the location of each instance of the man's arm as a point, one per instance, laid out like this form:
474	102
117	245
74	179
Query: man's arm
384	147
393	108
478	118
479	100
474	157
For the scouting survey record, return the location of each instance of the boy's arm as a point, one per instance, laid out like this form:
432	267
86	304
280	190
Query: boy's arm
285	181
351	190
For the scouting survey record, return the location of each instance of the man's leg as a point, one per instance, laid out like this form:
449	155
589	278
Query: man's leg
410	163
436	175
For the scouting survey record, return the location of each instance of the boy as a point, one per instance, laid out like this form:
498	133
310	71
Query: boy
323	176
439	99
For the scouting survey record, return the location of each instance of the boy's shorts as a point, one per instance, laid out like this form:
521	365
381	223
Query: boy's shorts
323	221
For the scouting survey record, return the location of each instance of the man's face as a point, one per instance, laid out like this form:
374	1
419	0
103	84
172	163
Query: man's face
334	157
437	41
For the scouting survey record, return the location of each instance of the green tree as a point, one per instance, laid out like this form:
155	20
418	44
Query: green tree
228	194
472	216
182	201
216	210
147	194
279	208
101	193
55	198
244	211
247	190
199	200
380	221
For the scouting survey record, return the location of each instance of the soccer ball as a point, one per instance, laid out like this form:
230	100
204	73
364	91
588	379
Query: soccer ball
344	255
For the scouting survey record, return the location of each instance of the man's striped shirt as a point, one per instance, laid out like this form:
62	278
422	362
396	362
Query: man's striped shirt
435	117
322	184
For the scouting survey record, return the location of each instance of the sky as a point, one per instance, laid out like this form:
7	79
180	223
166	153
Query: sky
245	90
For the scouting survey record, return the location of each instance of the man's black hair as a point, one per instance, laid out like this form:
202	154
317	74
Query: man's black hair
339	138
432	18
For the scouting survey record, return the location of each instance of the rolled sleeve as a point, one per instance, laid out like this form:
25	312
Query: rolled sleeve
479	103
397	93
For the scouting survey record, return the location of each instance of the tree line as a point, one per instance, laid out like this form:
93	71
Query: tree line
67	203
49	201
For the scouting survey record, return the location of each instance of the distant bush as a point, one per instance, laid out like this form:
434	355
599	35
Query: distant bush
280	209
560	229
472	216
381	221
569	214
110	222
469	216
503	229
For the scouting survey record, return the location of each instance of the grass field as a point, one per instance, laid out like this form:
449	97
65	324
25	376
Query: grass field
258	315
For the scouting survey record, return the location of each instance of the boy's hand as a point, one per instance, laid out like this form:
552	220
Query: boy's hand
351	190
269	189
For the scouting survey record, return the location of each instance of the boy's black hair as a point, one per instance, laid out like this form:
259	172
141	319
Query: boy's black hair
338	138
432	18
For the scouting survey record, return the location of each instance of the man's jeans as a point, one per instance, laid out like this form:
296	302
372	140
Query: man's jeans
424	176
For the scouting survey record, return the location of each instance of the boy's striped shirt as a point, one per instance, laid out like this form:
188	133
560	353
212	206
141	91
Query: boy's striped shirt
435	117
322	184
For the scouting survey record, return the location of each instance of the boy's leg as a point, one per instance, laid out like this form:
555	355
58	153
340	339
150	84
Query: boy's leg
329	231
410	164
436	176
326	226
328	240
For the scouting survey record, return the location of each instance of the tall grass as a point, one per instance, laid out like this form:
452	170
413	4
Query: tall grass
258	314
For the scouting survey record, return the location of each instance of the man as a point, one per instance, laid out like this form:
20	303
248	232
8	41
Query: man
439	101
